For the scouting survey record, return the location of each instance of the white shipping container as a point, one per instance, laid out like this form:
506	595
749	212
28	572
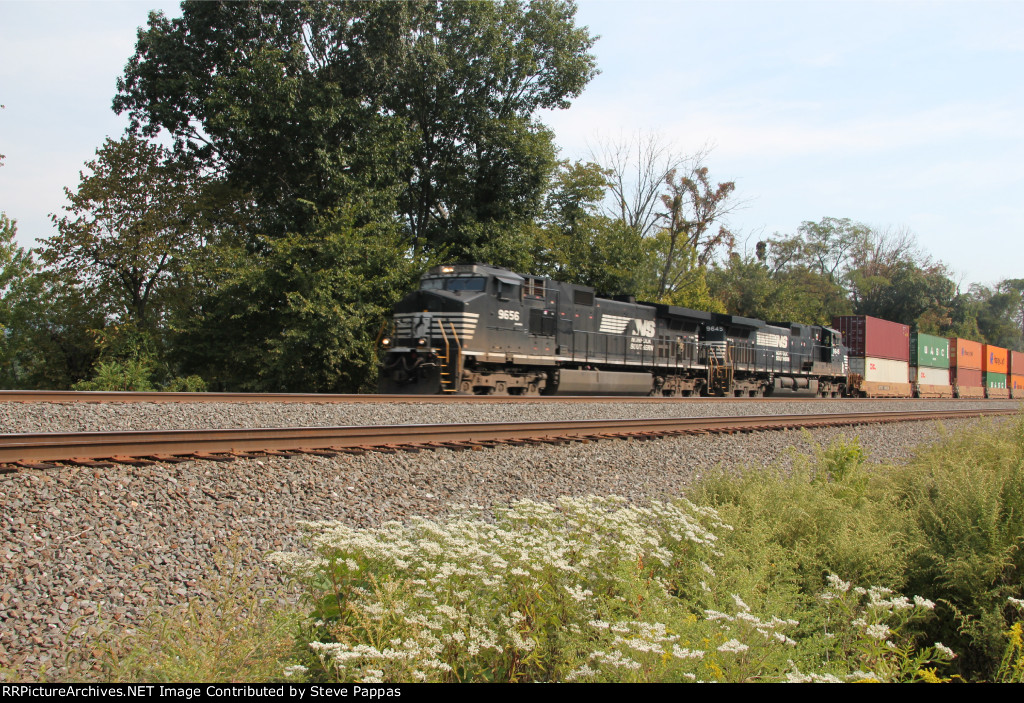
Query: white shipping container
878	370
927	376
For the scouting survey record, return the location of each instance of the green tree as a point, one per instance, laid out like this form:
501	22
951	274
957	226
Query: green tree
130	227
302	317
578	244
752	288
997	309
425	107
19	294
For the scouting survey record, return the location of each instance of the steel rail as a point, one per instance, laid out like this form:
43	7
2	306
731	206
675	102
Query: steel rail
15	448
183	397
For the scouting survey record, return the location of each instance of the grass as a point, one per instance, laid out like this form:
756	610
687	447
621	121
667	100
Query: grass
244	632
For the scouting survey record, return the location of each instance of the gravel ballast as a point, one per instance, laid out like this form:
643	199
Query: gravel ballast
90	417
82	546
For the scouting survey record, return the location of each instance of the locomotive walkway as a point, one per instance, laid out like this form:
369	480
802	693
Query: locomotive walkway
98	449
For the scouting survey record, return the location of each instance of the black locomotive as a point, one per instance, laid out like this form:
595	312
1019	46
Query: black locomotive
475	329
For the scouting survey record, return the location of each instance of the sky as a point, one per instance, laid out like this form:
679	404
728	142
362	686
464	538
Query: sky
900	115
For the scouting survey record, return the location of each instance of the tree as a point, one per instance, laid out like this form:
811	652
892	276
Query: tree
131	226
637	170
424	107
831	246
304	316
578	244
692	206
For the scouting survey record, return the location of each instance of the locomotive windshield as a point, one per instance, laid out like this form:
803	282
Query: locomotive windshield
476	283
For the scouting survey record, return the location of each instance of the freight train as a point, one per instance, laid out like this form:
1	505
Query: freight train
477	329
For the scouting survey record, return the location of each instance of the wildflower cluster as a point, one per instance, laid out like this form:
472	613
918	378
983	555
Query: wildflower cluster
535	592
869	631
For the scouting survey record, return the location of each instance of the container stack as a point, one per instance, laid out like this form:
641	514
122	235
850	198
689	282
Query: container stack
879	355
1016	379
965	368
994	369
929	366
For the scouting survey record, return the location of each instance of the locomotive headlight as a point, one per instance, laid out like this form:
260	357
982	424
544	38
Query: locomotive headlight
421	342
386	342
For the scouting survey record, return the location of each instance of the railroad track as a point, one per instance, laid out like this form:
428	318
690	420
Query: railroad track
100	449
169	397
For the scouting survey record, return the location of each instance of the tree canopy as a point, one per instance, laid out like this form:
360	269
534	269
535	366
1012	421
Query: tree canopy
425	109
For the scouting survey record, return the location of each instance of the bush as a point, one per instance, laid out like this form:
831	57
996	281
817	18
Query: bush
965	546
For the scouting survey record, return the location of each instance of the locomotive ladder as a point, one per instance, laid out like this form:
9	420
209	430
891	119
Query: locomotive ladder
450	371
719	372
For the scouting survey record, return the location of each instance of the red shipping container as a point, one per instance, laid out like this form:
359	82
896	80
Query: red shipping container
967	378
993	359
870	336
964	353
1016	363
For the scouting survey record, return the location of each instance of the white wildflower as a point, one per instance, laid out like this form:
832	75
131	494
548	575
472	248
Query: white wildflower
837	584
734	646
712	615
295	669
945	651
923	603
684	653
879	631
583	672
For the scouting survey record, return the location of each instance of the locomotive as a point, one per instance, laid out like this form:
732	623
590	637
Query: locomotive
477	329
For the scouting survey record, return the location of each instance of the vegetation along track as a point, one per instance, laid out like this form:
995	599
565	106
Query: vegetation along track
98	448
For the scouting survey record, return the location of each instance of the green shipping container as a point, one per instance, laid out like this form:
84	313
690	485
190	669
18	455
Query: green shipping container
928	350
995	380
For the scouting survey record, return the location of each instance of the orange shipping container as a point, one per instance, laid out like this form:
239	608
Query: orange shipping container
993	359
964	353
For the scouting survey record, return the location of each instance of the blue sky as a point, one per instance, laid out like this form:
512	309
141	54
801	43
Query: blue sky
896	114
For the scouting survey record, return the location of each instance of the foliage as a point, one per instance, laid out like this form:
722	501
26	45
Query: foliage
998	313
303	316
51	342
837	266
588	589
679	241
792	527
581	590
965	543
240	633
19	298
426	107
579	245
131	224
689	288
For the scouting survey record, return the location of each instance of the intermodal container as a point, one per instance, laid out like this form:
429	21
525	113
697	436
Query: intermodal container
877	370
1016	384
1016	363
871	337
928	350
964	353
968	378
929	376
994	360
994	380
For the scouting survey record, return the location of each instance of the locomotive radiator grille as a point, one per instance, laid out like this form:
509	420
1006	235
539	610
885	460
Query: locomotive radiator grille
428	324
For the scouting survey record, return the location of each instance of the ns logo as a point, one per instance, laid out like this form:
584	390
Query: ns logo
644	328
